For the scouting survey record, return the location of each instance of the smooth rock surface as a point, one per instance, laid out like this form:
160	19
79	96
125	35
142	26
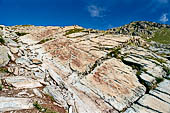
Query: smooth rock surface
11	103
4	59
22	82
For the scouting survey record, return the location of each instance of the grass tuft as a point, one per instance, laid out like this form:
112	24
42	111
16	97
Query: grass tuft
44	40
42	109
73	31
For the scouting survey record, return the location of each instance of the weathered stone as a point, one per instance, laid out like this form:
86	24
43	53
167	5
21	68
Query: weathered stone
117	86
151	67
14	50
4	59
139	109
79	34
154	103
22	61
11	103
36	61
27	39
37	92
16	71
164	87
22	82
56	93
11	56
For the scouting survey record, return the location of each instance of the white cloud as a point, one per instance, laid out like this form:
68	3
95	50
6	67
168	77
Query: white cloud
95	11
164	18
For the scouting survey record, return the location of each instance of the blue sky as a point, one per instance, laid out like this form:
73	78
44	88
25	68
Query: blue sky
97	14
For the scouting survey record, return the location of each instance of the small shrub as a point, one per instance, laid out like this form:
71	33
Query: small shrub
42	109
166	69
37	106
138	73
1	27
4	70
159	80
144	70
2	41
114	53
20	34
1	87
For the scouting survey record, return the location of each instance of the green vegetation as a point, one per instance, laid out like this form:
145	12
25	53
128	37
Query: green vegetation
73	31
42	109
3	70
161	36
2	41
166	69
21	34
1	87
1	27
157	59
23	25
44	40
159	80
114	53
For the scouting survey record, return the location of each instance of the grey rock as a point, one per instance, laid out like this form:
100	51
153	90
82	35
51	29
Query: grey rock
37	92
154	103
11	103
4	59
56	93
22	82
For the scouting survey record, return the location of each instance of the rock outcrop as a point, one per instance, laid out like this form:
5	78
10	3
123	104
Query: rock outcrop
70	69
144	29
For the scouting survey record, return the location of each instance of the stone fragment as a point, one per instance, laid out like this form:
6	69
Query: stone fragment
11	56
22	82
28	39
36	61
22	61
154	103
14	50
139	109
37	92
164	87
56	93
4	59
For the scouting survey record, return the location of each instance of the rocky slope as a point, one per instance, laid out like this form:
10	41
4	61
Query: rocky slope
143	29
76	70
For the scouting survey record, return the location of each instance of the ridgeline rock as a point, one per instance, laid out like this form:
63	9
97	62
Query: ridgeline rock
139	28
